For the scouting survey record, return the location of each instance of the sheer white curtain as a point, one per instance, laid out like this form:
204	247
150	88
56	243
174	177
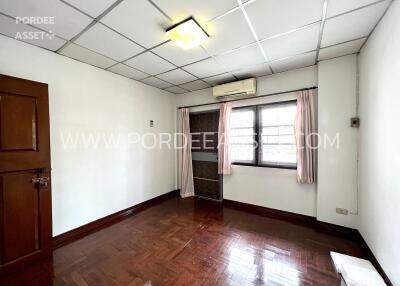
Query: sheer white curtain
224	158
306	138
187	186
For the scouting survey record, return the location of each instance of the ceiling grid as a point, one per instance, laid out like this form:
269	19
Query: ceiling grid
236	28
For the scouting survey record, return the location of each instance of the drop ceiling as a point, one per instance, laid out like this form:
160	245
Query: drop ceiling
247	38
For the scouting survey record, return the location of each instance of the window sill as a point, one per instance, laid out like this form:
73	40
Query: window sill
265	166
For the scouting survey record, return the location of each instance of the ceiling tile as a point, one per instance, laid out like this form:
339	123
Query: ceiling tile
176	77
203	10
67	21
353	25
273	17
336	7
138	20
156	82
93	7
297	42
128	72
176	89
228	33
206	68
87	56
150	63
253	71
195	85
341	49
10	28
101	39
250	55
219	79
295	62
178	56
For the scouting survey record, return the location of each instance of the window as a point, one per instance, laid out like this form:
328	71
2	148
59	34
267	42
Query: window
278	145
242	135
263	135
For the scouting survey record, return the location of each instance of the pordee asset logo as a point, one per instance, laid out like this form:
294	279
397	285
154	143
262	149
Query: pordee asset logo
35	21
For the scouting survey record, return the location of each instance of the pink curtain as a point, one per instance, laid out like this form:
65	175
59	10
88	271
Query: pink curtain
224	159
187	186
306	138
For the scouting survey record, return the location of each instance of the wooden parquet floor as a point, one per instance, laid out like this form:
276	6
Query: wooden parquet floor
193	242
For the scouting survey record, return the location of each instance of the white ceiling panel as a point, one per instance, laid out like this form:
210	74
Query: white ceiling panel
219	79
156	82
87	56
176	89
10	28
297	42
128	72
202	10
67	21
353	25
138	20
176	77
295	62
273	17
341	49
179	56
101	39
195	85
336	7
252	71
206	68
150	63
228	33
250	55
93	7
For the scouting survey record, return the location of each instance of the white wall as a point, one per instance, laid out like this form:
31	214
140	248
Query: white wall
90	183
379	162
337	164
273	188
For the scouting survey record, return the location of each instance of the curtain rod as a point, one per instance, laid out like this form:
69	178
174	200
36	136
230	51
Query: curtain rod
238	99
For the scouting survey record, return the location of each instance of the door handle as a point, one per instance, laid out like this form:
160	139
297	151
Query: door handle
41	181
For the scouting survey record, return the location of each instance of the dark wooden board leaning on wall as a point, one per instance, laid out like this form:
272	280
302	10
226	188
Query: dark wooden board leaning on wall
204	126
204	129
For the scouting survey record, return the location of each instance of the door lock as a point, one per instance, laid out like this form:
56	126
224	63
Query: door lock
41	181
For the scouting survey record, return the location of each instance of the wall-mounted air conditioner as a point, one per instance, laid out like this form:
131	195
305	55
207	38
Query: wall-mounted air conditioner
242	87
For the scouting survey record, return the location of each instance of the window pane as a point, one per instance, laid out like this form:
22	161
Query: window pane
242	135
242	153
277	134
278	115
242	140
242	118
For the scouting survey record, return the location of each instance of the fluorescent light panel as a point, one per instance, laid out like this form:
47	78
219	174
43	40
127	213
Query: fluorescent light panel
187	34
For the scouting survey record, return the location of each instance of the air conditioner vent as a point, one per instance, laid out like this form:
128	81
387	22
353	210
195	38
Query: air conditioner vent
243	87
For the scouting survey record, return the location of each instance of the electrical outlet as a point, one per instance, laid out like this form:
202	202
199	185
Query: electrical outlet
151	123
342	211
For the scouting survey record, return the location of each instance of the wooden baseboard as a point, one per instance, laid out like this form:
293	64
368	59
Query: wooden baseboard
272	213
312	222
336	230
96	225
371	257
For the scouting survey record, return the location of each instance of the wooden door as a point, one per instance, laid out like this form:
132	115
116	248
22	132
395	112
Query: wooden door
204	129
25	193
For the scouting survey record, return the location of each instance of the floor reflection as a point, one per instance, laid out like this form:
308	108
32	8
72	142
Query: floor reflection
252	266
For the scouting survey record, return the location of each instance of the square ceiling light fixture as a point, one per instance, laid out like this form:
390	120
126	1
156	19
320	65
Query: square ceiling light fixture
187	34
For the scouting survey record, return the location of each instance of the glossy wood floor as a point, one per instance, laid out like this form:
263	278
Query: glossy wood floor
188	242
